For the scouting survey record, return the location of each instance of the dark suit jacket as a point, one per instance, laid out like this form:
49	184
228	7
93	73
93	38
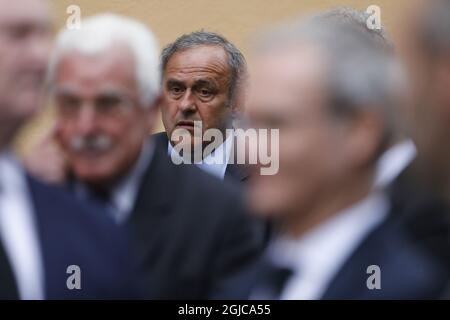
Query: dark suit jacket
411	247
192	232
423	213
72	233
234	172
407	272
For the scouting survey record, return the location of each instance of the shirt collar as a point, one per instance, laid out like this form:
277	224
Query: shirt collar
216	162
393	161
124	193
11	173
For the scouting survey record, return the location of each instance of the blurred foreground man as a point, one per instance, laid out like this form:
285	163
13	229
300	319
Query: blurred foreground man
191	233
422	194
45	235
326	87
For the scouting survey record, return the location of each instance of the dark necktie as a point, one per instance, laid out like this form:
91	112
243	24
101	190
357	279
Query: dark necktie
8	289
273	280
103	198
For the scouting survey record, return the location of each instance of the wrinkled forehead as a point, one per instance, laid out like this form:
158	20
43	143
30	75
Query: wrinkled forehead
24	12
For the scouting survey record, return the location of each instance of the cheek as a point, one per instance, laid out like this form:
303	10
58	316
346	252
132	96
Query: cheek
213	115
304	160
64	133
126	134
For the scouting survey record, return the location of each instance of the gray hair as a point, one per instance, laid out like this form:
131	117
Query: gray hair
357	19
98	33
360	75
434	29
236	60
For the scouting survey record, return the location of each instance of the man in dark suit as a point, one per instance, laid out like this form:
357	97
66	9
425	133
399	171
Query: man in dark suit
425	47
328	89
204	78
190	231
51	246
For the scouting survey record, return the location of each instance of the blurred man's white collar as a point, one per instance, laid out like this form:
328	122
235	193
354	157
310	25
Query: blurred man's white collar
18	232
392	163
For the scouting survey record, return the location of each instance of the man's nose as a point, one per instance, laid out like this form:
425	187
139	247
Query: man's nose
187	103
86	120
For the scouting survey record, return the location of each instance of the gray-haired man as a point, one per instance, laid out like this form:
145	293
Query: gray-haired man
203	82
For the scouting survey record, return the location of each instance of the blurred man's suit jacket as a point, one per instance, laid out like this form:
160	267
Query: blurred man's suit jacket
192	234
73	233
423	212
414	242
411	247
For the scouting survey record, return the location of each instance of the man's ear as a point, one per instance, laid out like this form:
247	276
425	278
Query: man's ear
364	138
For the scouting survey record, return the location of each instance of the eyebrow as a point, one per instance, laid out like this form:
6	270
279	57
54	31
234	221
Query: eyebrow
107	91
172	82
205	83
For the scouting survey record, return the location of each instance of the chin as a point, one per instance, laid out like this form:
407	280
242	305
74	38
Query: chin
264	204
92	175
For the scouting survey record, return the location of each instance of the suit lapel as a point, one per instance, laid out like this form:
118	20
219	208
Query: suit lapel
8	288
235	171
152	206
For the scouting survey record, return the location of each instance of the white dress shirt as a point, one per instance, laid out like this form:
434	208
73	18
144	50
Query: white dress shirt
316	257
392	163
124	193
216	162
18	231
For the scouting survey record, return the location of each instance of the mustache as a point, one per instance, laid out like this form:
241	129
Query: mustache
97	143
184	120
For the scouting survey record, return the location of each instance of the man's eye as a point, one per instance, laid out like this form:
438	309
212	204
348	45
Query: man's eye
176	90
205	93
107	104
68	105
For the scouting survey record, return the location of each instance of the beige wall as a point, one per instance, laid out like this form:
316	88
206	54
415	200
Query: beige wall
236	19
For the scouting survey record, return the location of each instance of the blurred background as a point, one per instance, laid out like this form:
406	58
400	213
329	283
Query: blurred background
238	20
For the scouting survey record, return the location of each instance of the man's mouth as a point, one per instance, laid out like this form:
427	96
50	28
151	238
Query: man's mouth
186	124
